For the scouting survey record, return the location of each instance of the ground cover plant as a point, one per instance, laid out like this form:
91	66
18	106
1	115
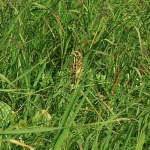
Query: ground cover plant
109	106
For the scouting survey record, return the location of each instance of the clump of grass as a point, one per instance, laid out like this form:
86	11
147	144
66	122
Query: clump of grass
108	109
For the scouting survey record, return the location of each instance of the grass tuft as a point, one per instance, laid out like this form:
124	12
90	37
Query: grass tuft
110	106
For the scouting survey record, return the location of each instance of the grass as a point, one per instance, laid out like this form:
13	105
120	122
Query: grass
110	107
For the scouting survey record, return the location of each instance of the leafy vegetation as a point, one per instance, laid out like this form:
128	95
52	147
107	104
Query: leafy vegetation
109	107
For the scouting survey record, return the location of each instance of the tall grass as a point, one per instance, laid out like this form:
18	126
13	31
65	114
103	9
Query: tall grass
108	109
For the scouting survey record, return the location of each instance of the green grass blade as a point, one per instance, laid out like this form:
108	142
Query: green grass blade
7	80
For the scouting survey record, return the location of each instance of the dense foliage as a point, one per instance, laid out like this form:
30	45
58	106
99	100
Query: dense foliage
108	108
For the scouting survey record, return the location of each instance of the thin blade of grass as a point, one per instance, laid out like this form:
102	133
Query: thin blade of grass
63	134
7	80
29	70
